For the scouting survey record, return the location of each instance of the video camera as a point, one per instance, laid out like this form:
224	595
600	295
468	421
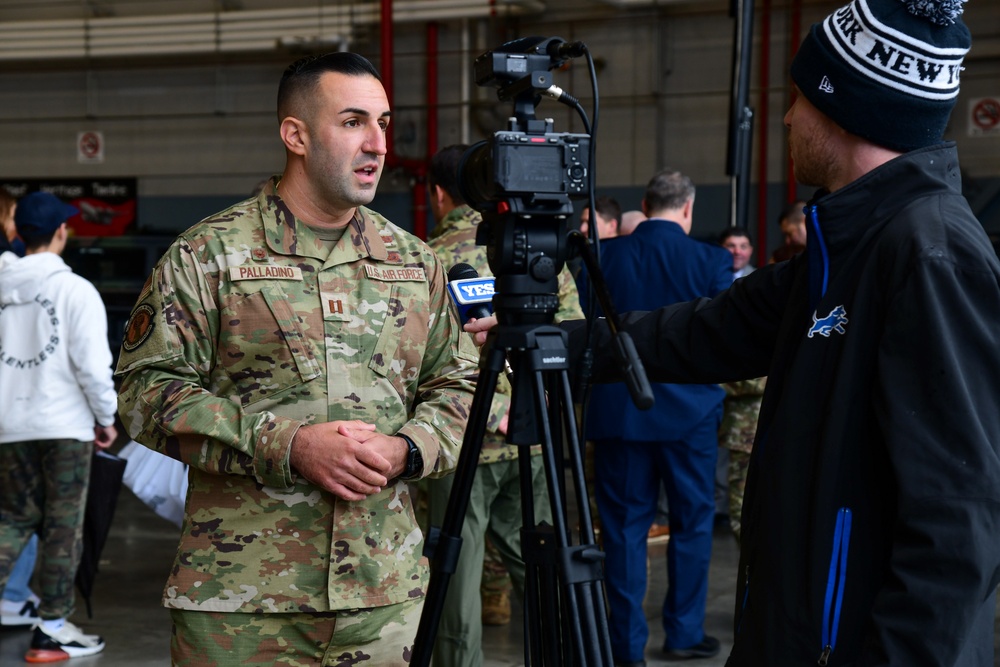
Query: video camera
528	165
524	178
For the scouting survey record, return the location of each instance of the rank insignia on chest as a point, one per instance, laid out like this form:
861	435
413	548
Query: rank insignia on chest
336	307
259	254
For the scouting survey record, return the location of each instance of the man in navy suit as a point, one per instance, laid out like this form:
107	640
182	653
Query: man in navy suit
676	441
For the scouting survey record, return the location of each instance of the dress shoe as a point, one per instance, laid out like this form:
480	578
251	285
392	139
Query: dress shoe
658	531
706	648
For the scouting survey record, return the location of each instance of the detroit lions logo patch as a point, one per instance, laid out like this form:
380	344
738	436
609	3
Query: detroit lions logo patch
835	321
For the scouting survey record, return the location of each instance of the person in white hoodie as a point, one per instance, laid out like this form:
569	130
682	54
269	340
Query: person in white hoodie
57	401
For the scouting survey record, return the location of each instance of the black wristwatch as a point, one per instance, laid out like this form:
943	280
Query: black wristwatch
414	461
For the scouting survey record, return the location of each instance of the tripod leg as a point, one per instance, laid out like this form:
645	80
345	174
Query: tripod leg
572	625
449	543
593	602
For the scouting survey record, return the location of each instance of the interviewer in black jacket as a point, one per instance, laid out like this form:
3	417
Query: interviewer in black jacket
871	523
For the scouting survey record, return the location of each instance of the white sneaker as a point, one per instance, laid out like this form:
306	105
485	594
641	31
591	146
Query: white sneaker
69	642
19	613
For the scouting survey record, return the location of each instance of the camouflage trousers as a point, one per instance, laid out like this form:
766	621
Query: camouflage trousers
739	461
380	636
44	491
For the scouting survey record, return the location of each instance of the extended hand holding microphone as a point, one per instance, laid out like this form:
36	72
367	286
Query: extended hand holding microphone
472	293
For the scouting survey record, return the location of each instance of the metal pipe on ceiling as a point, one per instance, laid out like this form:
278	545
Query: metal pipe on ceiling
226	31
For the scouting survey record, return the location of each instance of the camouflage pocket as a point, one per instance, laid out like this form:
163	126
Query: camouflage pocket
262	345
402	340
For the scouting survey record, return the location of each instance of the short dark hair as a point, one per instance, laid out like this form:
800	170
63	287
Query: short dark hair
607	207
792	211
443	171
302	75
668	190
739	232
35	242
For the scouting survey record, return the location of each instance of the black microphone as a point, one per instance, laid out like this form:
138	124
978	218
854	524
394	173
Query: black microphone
471	293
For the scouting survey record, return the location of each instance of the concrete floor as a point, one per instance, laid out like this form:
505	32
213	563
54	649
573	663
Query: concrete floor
127	611
140	549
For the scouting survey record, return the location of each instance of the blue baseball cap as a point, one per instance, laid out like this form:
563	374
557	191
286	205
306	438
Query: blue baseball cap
40	213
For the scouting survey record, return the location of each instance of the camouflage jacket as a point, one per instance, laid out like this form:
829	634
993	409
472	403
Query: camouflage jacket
247	330
740	409
454	240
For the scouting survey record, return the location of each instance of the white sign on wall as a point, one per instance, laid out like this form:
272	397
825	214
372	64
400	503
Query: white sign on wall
984	117
90	147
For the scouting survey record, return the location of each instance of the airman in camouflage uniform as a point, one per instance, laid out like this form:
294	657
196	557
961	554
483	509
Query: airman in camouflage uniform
299	352
495	502
736	433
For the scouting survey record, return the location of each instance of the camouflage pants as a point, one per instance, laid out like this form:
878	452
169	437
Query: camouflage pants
380	636
739	461
44	491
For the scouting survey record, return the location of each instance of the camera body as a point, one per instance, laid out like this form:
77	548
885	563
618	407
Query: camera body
531	171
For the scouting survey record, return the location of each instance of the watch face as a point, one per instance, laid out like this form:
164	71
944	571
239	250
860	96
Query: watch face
414	461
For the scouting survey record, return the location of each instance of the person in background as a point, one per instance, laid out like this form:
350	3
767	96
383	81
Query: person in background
11	245
742	402
785	252
792	221
57	401
495	498
19	605
630	220
738	242
609	215
675	443
300	353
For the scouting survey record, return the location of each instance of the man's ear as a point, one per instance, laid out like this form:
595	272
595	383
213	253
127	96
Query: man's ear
439	194
645	209
294	134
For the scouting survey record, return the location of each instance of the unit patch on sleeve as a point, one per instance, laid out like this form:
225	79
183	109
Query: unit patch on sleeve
140	324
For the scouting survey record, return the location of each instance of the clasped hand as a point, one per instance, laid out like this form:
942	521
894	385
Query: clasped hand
350	459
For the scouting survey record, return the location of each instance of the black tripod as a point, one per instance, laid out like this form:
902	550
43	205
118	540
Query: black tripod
565	621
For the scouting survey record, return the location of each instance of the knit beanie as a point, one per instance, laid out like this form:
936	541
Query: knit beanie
886	70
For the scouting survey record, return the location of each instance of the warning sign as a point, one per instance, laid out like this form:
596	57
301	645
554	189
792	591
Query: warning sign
90	147
984	117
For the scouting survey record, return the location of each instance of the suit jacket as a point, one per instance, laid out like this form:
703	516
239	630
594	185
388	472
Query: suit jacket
655	266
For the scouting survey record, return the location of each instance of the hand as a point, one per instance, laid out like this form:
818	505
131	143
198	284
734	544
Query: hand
393	448
104	436
336	456
480	327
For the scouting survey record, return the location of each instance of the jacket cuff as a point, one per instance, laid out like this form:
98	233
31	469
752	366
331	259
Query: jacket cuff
426	442
273	446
